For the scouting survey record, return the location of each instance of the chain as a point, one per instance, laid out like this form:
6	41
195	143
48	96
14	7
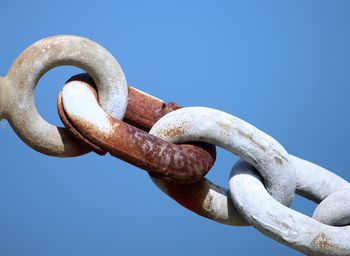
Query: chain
176	146
79	110
247	200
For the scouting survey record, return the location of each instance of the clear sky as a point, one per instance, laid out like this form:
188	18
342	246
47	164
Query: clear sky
283	66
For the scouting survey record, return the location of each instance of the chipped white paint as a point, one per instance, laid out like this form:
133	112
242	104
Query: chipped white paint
281	223
17	89
237	136
218	206
80	103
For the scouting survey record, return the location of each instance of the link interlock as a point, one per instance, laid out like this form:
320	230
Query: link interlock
176	146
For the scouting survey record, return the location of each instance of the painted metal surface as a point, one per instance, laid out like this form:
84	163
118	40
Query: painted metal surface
335	209
248	202
281	223
237	136
18	86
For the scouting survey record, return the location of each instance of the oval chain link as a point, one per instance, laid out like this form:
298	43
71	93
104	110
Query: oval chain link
18	86
253	203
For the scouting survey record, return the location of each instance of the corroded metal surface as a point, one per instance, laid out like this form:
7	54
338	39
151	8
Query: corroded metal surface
214	202
205	199
83	141
143	110
184	163
17	90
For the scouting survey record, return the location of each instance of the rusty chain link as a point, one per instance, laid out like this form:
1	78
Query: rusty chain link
79	110
102	114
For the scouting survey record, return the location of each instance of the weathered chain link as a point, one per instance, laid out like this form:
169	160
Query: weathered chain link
251	199
282	223
237	136
17	90
261	185
177	163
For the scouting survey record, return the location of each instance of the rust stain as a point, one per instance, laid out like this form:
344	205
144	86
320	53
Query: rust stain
322	241
174	132
191	196
73	131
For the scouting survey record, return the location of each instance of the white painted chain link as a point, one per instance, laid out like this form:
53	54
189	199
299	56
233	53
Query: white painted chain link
17	89
261	185
247	189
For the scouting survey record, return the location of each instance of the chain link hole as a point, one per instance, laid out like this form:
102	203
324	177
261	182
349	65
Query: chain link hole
48	89
223	164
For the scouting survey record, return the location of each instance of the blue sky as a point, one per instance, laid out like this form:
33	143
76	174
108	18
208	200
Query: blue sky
283	66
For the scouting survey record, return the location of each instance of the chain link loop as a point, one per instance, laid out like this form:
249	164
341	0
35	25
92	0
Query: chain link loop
281	223
250	197
35	61
176	163
237	136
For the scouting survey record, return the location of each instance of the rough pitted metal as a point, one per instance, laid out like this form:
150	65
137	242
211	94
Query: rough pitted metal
184	163
143	110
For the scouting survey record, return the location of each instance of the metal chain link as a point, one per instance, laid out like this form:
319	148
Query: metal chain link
250	197
17	90
177	163
261	185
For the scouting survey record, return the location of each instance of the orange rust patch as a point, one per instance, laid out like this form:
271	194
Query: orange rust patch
174	132
190	196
